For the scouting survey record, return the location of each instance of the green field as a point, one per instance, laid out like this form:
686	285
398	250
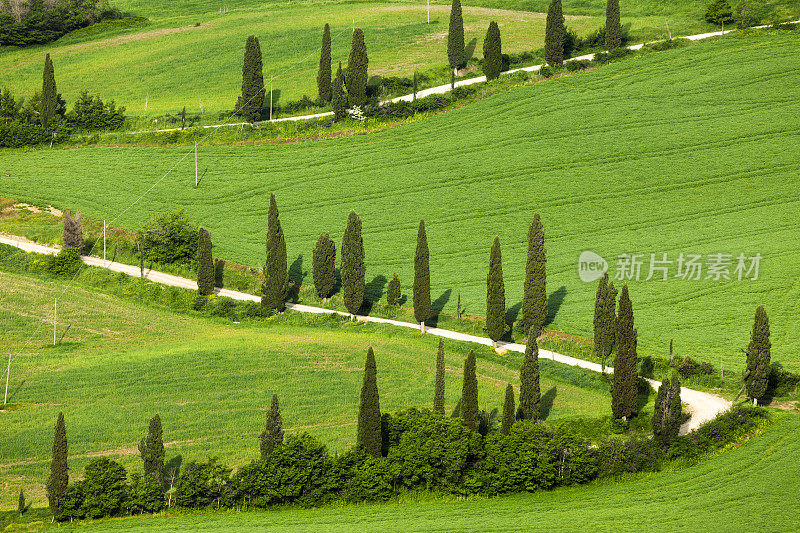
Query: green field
689	150
210	380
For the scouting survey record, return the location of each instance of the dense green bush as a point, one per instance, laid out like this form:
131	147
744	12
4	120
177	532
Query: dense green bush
66	263
145	495
202	485
90	113
102	492
170	238
619	456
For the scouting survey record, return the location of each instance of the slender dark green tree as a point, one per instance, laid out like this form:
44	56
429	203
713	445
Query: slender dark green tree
356	77
623	389
205	264
609	324
393	291
273	291
469	393
667	412
324	266
492	52
183	117
613	27
422	279
456	54
415	83
508	411
251	102
272	436
339	98
49	101
352	264
369	411
554	33
59	473
597	323
324	72
438	391
529	392
758	357
21	507
151	448
495	295
534	293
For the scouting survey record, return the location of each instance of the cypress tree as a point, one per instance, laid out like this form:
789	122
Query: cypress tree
21	507
422	279
369	411
324	266
554	35
609	324
339	99
469	393
59	473
353	270
415	83
49	102
456	55
251	102
667	412
205	264
438	391
151	448
324	72
275	271
623	390
613	27
393	291
597	323
272	436
492	52
495	295
508	411
356	77
529	393
534	297
758	357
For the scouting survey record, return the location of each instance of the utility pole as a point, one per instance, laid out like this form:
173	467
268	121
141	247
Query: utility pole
55	321
669	32
429	11
195	164
8	374
270	97
145	105
104	241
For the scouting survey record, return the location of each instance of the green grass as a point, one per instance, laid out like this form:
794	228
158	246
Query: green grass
121	362
687	150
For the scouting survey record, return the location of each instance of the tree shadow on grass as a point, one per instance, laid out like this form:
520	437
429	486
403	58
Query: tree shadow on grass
554	302
469	50
437	306
546	402
373	291
512	314
15	390
295	278
643	392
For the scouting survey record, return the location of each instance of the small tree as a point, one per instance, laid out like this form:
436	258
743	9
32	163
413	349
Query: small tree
59	473
183	118
272	436
529	393
48	105
554	35
624	386
21	507
393	291
72	234
324	266
205	264
613	27
339	99
415	83
469	393
369	412
275	271
597	322
667	412
719	12
356	77
438	391
534	297
456	55
151	448
353	270
492	52
324	72
508	411
757	373
495	295
422	279
251	102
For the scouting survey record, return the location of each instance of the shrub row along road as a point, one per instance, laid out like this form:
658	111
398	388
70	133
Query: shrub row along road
702	405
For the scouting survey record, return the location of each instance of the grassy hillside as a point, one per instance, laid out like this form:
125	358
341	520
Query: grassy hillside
689	151
120	363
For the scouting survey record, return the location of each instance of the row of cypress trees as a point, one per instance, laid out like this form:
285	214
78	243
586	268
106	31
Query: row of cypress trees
556	32
354	79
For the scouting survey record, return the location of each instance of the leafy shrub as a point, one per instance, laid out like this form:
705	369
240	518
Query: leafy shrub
67	263
575	66
603	58
170	238
545	71
145	495
356	476
102	492
688	367
90	113
719	12
638	454
203	484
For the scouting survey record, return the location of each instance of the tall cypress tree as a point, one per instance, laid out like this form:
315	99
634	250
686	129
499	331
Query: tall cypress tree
613	27
597	322
529	392
495	295
272	436
49	102
758	357
438	391
356	77
508	411
339	99
275	271
205	264
554	33
667	412
469	393
59	473
353	269
151	448
393	291
623	390
422	279
251	102
369	411
324	266
456	55
609	324
492	52
534	294
324	72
